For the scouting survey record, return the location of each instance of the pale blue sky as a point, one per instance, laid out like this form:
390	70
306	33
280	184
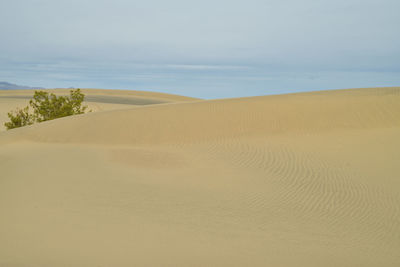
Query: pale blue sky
202	48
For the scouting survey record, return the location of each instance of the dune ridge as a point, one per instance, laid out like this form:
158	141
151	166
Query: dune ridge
303	113
307	179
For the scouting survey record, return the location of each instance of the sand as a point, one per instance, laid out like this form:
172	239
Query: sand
307	179
95	99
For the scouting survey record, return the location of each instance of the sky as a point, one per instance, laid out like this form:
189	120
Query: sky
207	49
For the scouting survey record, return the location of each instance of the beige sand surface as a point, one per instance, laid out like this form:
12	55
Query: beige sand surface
308	179
96	99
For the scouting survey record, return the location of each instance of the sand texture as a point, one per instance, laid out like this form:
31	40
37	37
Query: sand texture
307	179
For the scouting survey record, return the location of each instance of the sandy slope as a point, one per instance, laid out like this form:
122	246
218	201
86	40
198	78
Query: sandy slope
307	179
96	99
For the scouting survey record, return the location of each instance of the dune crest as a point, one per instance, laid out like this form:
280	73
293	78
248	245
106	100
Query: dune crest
303	113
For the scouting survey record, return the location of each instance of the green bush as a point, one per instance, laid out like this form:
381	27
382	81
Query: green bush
19	118
47	107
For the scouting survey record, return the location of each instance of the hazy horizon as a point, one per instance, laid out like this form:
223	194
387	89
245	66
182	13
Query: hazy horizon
208	49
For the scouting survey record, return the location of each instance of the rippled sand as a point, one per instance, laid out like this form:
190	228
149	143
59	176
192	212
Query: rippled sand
307	179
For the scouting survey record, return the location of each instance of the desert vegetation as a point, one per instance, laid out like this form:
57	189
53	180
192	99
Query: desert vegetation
45	106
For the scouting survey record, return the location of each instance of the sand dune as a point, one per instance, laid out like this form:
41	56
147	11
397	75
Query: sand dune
95	99
308	179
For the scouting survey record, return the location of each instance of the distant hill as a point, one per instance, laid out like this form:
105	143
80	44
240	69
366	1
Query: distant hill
11	86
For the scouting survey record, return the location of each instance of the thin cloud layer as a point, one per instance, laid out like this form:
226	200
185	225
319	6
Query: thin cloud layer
267	37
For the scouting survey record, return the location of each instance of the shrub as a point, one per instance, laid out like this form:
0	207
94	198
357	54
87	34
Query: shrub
19	118
47	107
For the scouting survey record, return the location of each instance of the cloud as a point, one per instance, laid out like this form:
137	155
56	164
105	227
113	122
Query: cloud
203	67
157	38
